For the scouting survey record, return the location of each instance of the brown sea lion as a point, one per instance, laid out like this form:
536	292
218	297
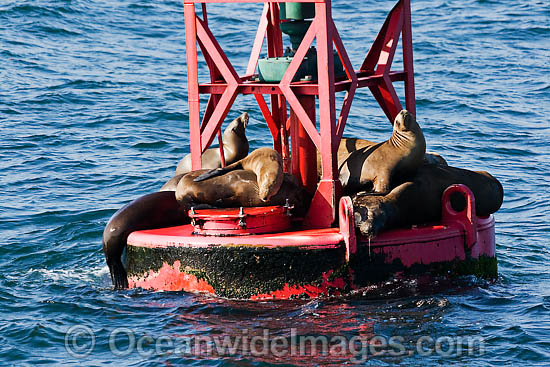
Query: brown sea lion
156	210
377	166
239	188
235	147
266	163
172	183
350	145
418	201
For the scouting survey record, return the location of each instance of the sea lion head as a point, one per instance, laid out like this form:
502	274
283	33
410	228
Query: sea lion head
405	121
237	126
270	186
268	166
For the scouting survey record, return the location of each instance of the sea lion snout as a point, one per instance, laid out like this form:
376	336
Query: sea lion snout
266	194
245	119
270	184
240	123
404	120
268	166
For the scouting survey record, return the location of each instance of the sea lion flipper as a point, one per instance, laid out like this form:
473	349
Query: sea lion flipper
210	174
118	274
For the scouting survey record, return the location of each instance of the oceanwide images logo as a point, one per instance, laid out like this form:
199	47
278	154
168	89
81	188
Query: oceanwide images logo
80	342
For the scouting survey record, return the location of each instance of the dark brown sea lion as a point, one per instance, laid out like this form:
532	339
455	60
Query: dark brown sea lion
239	188
235	147
418	201
434	158
156	210
266	163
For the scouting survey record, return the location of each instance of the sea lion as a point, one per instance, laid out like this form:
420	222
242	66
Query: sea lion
172	183
235	147
350	145
434	158
156	210
239	188
382	165
266	163
418	201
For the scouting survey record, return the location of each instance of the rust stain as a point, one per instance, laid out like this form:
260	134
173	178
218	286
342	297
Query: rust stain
170	278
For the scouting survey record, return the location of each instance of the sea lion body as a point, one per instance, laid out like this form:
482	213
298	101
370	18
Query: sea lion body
238	188
418	201
378	165
350	145
434	158
235	147
172	183
156	210
267	165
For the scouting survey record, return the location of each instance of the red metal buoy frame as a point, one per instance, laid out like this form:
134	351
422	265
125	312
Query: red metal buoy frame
374	73
258	253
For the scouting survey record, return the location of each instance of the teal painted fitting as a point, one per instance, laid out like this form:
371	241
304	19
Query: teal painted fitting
296	30
271	70
297	11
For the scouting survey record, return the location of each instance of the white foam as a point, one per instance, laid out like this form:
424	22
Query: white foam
80	276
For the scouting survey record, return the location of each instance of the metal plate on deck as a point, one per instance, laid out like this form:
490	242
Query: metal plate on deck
240	221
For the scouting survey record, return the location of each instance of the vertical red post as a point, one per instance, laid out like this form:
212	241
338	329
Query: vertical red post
322	212
193	85
304	153
278	102
406	36
214	74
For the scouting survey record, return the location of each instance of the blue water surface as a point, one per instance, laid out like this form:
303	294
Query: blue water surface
93	114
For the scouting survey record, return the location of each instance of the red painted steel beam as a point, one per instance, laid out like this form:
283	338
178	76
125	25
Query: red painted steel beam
193	85
406	35
249	1
258	41
380	56
353	83
322	211
374	52
389	45
291	98
213	99
271	123
278	102
218	57
301	88
304	154
385	93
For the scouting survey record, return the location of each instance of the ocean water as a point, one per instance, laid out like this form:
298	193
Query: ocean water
93	114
